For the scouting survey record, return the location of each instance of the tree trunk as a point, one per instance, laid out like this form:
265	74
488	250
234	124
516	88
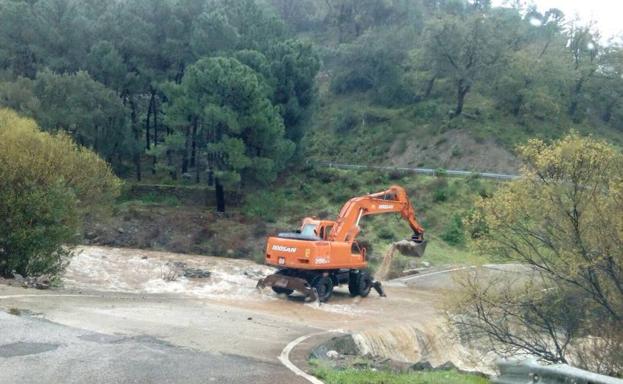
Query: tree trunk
197	169
173	169
573	108
186	152
607	115
210	177
430	86
155	112
137	155
148	122
220	196
462	91
193	155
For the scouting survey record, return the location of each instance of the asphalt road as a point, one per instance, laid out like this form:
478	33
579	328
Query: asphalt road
38	351
144	340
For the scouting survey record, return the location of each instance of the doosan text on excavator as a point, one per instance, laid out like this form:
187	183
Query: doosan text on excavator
324	254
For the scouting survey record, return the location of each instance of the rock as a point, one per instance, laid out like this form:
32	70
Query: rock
38	282
425	264
447	366
42	282
18	278
120	230
343	345
421	366
195	273
397	366
179	264
333	355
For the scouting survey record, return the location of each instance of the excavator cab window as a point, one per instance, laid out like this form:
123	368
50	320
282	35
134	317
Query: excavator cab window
309	230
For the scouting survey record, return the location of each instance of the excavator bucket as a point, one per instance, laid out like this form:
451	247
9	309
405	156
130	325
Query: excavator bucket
288	283
411	248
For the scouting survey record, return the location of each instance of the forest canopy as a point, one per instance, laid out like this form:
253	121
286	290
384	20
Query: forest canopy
115	76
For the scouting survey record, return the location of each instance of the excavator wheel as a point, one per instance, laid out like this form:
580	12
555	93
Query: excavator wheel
359	283
365	284
353	284
324	288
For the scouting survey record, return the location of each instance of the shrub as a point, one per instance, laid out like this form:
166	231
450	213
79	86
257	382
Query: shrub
441	193
454	233
46	183
346	121
264	205
386	234
562	219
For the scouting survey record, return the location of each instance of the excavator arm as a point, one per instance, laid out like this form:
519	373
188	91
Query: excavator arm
393	200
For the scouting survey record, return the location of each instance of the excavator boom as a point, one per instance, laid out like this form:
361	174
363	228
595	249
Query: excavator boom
325	253
393	200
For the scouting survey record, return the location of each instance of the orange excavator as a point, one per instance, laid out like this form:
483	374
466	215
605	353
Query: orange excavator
324	254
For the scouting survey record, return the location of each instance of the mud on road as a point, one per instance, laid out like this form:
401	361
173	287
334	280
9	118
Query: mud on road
142	300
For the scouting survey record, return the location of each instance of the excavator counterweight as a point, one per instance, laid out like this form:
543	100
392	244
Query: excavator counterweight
324	254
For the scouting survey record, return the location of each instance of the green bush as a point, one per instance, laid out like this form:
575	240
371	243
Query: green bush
264	205
454	233
441	194
46	183
386	234
346	121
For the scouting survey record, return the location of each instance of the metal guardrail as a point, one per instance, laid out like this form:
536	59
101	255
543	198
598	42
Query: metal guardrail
529	371
424	171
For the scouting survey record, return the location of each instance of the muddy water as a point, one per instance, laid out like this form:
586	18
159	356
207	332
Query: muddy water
405	326
433	342
138	271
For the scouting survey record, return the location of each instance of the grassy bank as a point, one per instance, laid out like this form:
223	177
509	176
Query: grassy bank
351	376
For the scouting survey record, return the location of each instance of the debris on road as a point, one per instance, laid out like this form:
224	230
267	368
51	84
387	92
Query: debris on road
37	282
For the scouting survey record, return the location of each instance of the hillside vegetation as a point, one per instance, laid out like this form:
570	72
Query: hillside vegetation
400	78
222	91
250	96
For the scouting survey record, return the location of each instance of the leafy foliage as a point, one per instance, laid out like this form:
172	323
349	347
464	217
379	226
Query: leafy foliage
564	219
46	183
234	124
